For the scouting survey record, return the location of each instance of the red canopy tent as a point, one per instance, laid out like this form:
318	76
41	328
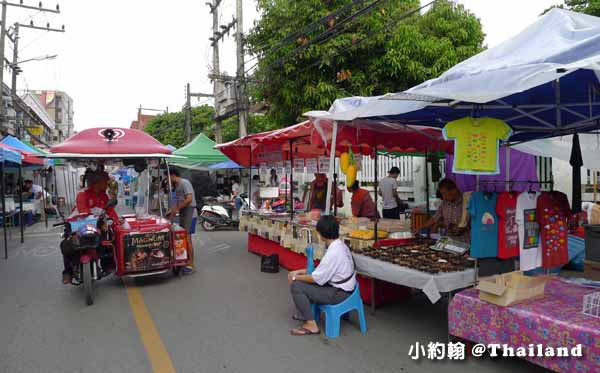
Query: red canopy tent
117	143
310	140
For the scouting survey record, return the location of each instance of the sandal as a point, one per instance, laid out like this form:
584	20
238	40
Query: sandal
303	331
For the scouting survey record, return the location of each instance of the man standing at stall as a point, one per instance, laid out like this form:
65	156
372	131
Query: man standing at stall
388	190
185	206
362	202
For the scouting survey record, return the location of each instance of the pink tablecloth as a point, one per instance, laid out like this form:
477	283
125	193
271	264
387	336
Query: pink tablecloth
555	320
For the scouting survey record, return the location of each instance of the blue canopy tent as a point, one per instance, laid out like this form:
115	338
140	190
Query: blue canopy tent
543	82
227	165
10	156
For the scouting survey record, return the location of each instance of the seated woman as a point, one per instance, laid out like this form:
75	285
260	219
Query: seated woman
330	283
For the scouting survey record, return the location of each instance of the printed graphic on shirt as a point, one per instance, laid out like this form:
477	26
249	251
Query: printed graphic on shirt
555	231
532	229
487	219
511	229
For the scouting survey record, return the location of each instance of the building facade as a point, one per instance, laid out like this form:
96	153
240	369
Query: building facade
59	106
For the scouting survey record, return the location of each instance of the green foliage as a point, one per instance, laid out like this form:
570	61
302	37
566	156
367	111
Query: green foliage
591	7
378	52
169	128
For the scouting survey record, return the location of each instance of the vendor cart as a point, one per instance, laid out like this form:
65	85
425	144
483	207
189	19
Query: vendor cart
144	244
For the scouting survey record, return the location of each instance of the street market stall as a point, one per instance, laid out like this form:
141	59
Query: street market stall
539	84
198	154
279	233
145	244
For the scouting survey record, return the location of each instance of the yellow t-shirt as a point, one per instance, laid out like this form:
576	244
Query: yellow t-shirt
476	144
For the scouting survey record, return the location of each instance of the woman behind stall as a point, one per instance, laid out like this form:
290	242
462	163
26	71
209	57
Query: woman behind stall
451	210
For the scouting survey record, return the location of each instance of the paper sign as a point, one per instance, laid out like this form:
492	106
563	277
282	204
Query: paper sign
311	166
323	165
288	167
263	168
299	165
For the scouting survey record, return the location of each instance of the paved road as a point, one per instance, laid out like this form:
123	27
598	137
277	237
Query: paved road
228	317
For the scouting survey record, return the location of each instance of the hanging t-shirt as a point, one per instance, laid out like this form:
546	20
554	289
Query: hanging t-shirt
553	213
508	230
476	144
530	254
484	225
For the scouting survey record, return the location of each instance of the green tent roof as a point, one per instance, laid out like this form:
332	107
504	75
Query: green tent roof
200	152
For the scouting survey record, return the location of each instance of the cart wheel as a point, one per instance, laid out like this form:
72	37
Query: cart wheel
87	284
207	226
177	271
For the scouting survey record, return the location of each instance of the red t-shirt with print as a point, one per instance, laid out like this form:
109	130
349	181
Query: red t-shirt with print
508	230
553	213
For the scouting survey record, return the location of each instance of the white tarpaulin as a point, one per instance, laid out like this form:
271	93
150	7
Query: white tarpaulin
431	284
557	44
560	148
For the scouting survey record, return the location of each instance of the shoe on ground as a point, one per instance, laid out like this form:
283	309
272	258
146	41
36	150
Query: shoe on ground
188	270
67	278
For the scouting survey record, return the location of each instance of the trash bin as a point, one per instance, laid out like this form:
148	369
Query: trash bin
592	242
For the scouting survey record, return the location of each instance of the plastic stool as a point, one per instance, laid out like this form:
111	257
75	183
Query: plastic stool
334	312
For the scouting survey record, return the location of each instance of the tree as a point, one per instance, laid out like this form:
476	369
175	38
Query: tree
383	50
169	128
591	7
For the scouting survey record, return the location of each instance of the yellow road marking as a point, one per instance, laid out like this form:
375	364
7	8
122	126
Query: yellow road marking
155	348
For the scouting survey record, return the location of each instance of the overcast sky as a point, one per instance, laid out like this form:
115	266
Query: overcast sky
119	54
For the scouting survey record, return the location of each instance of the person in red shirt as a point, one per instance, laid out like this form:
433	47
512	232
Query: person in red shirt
93	197
362	203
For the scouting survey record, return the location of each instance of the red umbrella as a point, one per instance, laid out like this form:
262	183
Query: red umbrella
111	141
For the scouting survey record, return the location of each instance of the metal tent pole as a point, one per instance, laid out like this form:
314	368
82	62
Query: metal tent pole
44	196
21	220
427	183
292	177
507	156
376	197
3	209
331	166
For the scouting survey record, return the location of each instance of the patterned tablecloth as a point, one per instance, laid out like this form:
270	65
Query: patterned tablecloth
555	320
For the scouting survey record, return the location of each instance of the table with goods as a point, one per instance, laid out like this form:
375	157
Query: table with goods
396	257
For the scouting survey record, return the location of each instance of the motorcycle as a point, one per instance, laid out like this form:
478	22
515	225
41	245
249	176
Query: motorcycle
89	244
215	214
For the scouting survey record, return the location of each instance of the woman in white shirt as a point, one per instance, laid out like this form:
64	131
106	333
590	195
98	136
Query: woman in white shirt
331	282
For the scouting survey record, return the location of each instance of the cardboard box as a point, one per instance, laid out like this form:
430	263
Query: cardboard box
511	288
591	270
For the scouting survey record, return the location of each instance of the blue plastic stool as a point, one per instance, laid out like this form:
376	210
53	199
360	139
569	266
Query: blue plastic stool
334	313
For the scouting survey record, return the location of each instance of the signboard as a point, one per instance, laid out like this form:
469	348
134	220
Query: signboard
299	165
146	251
323	165
268	157
311	166
288	167
36	131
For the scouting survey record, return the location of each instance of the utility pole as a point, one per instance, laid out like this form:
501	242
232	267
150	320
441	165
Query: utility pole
16	70
214	9
188	109
188	114
242	102
5	5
